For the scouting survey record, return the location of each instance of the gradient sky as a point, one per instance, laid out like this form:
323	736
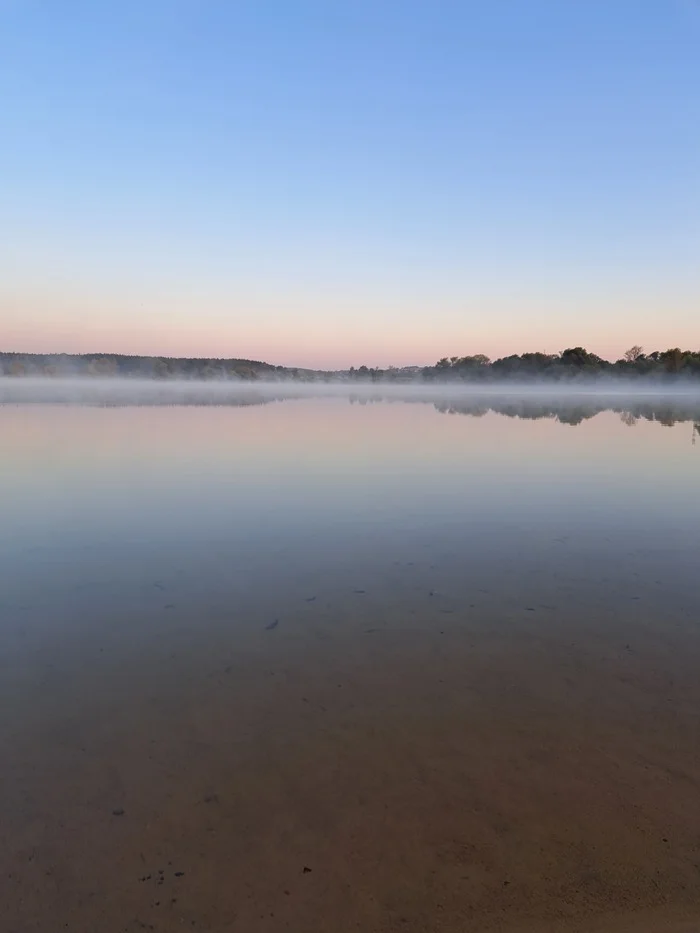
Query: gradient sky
359	181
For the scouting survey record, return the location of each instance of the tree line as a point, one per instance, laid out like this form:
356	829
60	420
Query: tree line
107	365
575	364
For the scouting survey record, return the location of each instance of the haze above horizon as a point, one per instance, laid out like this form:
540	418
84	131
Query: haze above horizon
326	185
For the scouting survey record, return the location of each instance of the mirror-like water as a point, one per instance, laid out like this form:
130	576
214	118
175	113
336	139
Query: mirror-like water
332	663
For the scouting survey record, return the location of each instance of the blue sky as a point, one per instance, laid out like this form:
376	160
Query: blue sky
327	183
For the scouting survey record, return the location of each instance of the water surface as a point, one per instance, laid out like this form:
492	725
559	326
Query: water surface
339	663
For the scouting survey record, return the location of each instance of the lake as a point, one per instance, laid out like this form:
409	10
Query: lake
277	658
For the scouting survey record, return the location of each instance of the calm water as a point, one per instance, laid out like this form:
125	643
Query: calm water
441	651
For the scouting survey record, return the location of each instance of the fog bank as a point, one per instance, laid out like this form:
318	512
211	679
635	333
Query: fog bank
127	391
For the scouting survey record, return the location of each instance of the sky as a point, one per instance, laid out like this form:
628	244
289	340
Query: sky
328	184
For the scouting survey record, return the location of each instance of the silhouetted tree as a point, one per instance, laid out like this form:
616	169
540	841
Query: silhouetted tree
633	354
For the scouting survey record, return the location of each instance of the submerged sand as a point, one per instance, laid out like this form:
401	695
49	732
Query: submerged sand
352	769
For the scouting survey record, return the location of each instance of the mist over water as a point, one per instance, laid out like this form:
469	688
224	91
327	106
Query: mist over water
422	641
134	391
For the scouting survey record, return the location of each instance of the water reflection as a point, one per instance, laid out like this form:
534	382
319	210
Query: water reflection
664	411
571	408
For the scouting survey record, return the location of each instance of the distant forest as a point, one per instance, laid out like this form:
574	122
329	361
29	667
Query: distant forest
572	365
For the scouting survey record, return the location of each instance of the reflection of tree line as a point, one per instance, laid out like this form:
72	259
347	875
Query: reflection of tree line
565	412
571	409
663	411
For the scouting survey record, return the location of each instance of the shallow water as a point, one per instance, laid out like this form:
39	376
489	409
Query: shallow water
441	651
